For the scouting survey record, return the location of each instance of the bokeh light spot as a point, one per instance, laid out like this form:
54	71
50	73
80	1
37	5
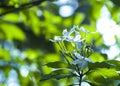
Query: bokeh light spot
66	11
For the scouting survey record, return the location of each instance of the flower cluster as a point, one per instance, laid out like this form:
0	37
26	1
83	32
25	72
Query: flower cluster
67	35
74	36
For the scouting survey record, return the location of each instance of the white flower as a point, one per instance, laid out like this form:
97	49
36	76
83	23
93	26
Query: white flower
68	36
83	29
65	32
77	37
56	39
77	55
71	36
73	29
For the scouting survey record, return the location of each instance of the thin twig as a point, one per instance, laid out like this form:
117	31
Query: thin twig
24	6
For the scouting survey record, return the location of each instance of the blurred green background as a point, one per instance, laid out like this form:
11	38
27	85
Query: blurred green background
27	25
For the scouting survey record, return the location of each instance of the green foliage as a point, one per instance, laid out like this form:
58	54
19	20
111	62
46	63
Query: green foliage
4	54
81	65
97	57
95	65
25	49
11	32
115	64
12	17
57	74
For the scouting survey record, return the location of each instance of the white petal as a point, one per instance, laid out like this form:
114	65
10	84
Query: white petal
73	29
57	38
83	29
69	38
65	32
78	55
77	38
88	60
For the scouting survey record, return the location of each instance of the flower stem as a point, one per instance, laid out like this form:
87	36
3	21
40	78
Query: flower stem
80	79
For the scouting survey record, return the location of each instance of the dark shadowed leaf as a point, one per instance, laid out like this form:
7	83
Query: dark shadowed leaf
58	64
55	76
58	74
115	63
99	65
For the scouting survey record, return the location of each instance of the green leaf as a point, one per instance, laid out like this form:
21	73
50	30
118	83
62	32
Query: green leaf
51	58
12	32
4	54
79	17
57	64
95	77
62	71
95	6
58	74
99	65
108	73
12	17
115	63
55	76
97	57
32	54
102	75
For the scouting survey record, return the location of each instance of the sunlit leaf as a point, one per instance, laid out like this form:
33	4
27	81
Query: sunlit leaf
108	73
51	58
67	22
95	9
46	70
4	54
97	57
12	32
95	77
12	17
97	37
32	54
101	75
34	23
79	17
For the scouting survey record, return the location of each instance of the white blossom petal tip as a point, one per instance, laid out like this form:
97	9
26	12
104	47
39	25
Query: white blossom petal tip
65	32
57	38
83	30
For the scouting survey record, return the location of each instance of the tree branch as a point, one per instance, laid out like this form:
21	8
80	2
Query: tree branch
24	6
